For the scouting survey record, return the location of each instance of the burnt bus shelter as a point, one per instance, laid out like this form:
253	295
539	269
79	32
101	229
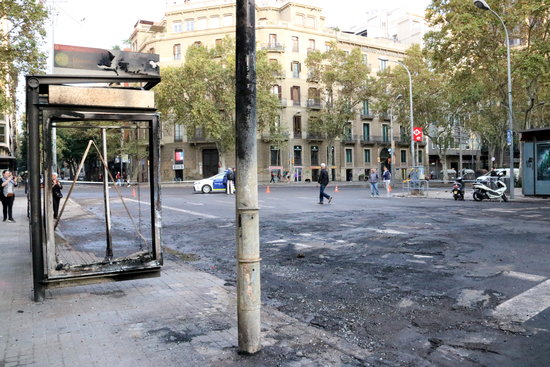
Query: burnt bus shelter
536	162
92	102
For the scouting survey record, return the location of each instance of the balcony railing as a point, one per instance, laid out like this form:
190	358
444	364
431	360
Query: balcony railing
384	116
366	115
199	138
296	102
271	136
274	46
312	78
315	136
314	104
350	139
297	135
367	139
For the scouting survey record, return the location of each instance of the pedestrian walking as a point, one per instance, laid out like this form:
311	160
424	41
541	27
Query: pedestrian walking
373	180
272	177
9	183
56	194
323	182
386	176
229	181
118	178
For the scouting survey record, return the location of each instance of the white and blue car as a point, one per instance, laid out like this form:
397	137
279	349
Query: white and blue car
210	184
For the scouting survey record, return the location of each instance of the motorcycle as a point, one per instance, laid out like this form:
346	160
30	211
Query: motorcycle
458	189
491	188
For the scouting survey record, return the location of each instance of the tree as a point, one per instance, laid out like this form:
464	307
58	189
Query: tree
467	46
343	83
20	41
200	94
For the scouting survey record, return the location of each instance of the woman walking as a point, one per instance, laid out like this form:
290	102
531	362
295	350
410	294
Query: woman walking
9	183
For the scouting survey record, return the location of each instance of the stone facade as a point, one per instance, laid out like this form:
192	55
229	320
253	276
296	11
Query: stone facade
288	30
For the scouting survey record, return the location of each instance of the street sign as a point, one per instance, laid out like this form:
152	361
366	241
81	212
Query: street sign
509	137
417	134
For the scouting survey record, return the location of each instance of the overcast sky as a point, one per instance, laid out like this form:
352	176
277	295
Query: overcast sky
106	23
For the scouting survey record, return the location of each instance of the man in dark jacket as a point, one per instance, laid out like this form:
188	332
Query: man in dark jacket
323	182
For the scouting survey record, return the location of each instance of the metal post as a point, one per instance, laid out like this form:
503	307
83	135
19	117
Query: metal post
412	114
392	143
247	212
459	149
33	147
109	249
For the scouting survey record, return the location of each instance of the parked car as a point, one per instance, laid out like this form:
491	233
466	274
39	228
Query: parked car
210	184
499	170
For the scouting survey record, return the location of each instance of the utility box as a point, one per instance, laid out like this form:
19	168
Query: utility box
535	163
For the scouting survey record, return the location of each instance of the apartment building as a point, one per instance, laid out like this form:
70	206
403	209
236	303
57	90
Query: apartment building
288	31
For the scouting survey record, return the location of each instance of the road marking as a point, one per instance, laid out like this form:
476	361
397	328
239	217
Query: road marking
347	225
277	241
525	305
302	245
178	210
387	231
524	276
303	197
266	206
306	234
423	256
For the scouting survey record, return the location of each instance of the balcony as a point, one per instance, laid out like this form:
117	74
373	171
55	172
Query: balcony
381	140
403	141
314	104
296	102
315	137
367	140
312	78
199	139
366	115
283	102
273	47
275	136
350	139
297	135
384	116
310	50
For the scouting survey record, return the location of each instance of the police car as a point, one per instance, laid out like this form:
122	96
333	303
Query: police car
210	184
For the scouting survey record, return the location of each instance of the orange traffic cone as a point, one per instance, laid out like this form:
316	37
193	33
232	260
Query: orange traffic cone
134	192
267	190
336	189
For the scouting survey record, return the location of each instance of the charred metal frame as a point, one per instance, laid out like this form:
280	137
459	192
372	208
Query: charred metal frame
41	116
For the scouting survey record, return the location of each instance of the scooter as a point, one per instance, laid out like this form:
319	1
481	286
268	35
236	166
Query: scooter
488	189
458	189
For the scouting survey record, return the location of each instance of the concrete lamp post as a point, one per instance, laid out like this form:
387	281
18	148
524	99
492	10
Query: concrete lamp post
510	133
413	160
392	155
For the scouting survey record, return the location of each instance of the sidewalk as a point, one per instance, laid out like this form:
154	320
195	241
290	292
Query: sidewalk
183	318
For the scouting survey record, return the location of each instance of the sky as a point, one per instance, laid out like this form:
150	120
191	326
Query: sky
106	23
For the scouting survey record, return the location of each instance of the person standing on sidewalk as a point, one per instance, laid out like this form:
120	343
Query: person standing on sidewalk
56	194
373	180
323	182
230	187
386	176
9	183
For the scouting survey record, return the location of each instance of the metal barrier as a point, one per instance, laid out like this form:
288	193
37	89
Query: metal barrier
416	187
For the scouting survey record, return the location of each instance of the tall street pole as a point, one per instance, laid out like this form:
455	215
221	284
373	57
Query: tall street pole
510	133
247	211
412	114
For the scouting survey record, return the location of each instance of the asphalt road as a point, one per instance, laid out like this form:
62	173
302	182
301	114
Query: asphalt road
418	282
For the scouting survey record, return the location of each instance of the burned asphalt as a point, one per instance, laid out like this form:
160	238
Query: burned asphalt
414	282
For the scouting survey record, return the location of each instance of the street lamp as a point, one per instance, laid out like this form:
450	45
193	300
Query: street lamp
510	133
411	105
392	154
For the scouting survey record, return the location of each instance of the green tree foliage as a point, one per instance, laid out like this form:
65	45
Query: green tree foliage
343	83
200	94
467	46
19	45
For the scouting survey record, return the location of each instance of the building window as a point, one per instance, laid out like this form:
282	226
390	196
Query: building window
276	90
272	40
332	159
214	22
365	59
178	132
227	20
297	126
328	46
403	156
366	110
420	156
311	45
177	51
314	155
176	27
310	22
297	155
201	24
275	155
295	67
295	44
218	42
383	65
349	155
190	25
366	132
366	155
295	95
300	19
2	133
385	133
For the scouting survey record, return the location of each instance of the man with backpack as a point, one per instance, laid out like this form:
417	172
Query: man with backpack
229	180
323	182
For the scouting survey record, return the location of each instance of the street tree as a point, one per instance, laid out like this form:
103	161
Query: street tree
21	33
343	83
200	94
